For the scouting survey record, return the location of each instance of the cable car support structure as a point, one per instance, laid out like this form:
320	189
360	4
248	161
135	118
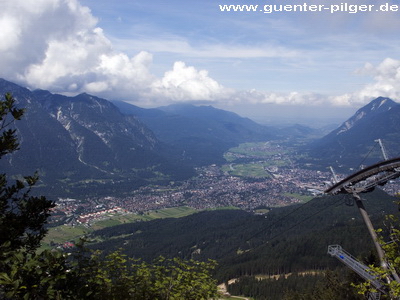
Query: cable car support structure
364	181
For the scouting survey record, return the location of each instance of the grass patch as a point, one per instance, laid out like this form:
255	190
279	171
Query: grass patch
303	198
118	220
260	150
173	212
255	170
262	211
65	233
225	208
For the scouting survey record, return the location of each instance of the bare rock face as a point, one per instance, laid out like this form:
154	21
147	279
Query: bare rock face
353	142
83	141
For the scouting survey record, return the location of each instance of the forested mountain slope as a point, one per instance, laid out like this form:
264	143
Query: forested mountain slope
201	133
353	142
289	239
84	144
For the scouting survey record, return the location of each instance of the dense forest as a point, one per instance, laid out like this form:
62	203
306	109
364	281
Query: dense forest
286	240
328	285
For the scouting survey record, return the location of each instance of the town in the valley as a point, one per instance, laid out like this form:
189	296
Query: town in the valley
268	179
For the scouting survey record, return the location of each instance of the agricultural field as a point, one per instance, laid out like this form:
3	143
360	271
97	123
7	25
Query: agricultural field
262	150
256	170
69	233
303	198
255	159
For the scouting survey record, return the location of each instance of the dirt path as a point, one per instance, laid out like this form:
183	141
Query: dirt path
222	289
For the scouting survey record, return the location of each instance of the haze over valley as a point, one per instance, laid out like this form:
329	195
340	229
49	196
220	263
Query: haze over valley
190	131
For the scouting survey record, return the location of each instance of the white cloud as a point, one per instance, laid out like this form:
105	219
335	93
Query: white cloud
55	45
386	83
35	29
183	83
9	33
292	98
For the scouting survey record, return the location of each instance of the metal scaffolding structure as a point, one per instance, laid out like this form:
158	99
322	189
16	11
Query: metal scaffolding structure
358	267
364	181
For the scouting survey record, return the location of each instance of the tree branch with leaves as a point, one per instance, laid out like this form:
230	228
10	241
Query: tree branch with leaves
22	216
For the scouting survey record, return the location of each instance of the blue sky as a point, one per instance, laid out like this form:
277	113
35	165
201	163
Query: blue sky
154	53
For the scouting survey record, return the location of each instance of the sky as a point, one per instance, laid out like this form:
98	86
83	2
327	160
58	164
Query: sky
268	65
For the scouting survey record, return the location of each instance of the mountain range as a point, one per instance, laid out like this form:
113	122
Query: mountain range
88	145
200	133
85	143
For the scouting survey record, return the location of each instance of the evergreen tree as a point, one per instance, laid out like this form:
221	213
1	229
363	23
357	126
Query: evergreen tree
26	273
22	216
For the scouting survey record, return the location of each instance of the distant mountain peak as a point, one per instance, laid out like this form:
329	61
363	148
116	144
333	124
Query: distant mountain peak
381	103
376	106
354	140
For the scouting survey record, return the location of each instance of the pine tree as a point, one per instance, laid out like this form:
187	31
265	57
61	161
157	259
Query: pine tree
26	273
22	216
